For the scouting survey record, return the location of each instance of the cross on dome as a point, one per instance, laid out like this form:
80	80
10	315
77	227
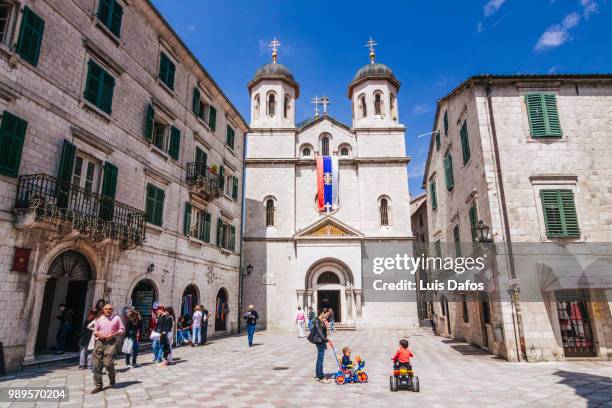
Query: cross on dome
274	44
370	44
316	101
325	102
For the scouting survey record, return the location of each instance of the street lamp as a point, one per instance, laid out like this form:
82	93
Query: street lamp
483	232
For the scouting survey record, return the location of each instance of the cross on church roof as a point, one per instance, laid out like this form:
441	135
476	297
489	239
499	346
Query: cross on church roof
274	44
370	44
316	101
325	101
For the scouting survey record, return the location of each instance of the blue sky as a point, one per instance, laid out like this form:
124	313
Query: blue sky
431	46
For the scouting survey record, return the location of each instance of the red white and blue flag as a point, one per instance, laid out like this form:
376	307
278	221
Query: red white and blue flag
327	183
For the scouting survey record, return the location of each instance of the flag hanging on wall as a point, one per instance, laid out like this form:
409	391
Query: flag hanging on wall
327	183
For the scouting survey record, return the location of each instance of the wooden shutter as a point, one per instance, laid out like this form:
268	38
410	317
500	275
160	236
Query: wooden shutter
438	144
195	103
104	11
175	143
465	143
434	194
163	68
212	118
438	248
457	239
230	137
105	101
93	83
159	206
221	179
552	116
207	222
201	157
149	122
150	204
446	123
234	187
187	219
219	231
64	175
30	36
232	238
109	189
12	137
474	222
543	115
448	172
560	215
115	19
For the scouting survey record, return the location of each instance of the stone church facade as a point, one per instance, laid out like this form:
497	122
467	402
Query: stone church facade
299	256
120	171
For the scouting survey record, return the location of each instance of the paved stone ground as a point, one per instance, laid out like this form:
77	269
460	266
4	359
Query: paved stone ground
226	373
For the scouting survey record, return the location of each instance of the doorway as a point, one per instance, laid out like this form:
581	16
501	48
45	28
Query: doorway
574	324
143	297
189	302
330	298
221	310
69	282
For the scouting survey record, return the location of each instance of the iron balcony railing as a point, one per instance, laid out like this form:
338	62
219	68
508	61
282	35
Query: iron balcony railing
209	183
90	213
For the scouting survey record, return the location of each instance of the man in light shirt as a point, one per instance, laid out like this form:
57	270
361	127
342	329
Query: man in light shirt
106	328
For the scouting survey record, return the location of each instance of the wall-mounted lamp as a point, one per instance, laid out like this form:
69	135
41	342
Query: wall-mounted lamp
151	268
249	269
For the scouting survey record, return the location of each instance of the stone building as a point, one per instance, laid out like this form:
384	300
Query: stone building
301	254
529	156
418	221
120	172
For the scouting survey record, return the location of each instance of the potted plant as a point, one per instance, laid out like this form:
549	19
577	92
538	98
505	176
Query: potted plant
214	168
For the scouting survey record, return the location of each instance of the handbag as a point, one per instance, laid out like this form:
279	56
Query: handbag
92	341
154	335
127	346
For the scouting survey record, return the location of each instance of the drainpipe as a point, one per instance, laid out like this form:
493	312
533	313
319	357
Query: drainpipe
516	309
242	221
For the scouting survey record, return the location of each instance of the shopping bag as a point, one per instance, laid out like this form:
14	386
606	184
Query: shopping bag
127	346
154	335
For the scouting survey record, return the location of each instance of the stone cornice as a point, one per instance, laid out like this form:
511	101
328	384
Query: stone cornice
103	57
358	160
91	139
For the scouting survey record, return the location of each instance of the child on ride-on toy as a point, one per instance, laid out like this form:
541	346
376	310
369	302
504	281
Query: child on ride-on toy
403	355
346	358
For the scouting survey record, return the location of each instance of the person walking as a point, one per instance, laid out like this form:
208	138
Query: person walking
311	317
318	336
106	328
300	322
132	332
331	319
171	341
251	322
66	317
84	340
196	327
205	315
164	327
155	336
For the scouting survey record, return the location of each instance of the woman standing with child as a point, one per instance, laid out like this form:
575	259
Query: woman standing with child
318	336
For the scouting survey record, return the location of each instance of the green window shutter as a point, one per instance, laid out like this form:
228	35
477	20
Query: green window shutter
448	172
106	93
457	239
116	17
438	248
232	239
30	36
221	179
434	194
99	87
234	187
465	143
560	215
150	204
207	221
536	114
166	70
149	122
446	123
109	189
552	116
219	231
201	157
438	144
105	11
64	174
195	103
175	143
474	222
229	139
159	206
12	137
187	219
212	118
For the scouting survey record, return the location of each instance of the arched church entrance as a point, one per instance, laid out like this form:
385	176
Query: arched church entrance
144	296
70	273
221	310
329	283
189	301
328	294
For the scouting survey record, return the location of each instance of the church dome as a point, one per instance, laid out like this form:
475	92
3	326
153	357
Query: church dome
273	69
374	70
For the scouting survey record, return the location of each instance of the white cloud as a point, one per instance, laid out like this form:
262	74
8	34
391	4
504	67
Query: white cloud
492	7
419	109
480	27
557	34
589	7
191	28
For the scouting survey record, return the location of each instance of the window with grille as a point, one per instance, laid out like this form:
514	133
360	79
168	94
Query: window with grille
384	212
269	212
325	146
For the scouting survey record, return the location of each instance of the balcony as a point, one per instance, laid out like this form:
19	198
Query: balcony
49	200
203	180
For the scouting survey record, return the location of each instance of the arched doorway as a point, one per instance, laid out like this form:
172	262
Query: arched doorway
331	284
143	297
189	301
70	273
328	294
221	310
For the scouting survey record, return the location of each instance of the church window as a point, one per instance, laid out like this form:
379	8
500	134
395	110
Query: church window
269	212
378	104
271	104
384	211
256	107
306	152
344	152
328	277
325	146
393	107
286	107
362	106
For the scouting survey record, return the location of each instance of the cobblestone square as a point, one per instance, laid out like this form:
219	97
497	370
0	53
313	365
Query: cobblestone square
226	373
